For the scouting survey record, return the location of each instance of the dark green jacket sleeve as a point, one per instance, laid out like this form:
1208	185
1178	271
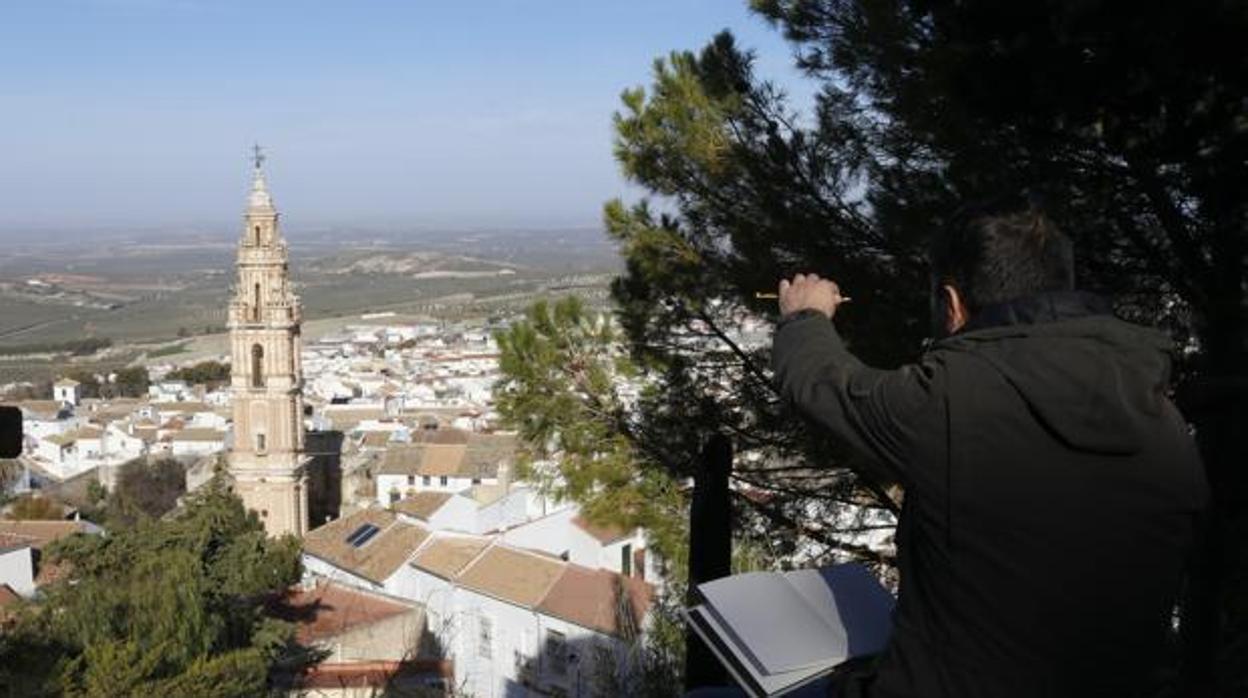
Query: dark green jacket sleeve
882	414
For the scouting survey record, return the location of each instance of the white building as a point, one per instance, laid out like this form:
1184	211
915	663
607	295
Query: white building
67	391
512	620
443	461
17	565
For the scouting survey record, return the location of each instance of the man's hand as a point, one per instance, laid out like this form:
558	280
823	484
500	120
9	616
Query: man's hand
809	292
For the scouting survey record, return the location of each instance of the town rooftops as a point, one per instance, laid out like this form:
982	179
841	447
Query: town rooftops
375	439
449	453
603	534
598	599
40	533
421	505
516	576
329	610
198	435
40	407
446	556
12	541
371	543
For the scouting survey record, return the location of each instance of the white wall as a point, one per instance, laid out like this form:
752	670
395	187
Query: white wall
313	565
18	571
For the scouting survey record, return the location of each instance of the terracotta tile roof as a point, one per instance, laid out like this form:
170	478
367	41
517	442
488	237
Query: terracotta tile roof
494	446
198	435
422	505
41	407
446	556
438	460
339	677
599	600
66	382
604	534
189	407
8	596
376	559
441	436
41	533
329	610
434	460
347	415
13	541
515	576
375	439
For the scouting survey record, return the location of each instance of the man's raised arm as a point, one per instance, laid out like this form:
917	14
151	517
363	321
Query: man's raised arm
877	412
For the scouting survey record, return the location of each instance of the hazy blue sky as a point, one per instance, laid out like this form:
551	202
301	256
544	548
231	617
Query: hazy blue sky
423	113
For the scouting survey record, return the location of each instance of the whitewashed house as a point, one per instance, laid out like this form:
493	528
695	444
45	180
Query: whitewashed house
67	391
17	565
443	461
517	621
569	535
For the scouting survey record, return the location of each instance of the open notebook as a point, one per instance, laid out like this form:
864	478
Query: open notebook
778	631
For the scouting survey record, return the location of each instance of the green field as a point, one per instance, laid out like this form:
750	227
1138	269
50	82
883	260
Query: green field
163	294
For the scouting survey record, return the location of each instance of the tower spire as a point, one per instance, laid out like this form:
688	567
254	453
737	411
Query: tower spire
260	199
266	457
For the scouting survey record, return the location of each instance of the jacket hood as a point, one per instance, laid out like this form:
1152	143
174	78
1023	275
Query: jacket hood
1094	381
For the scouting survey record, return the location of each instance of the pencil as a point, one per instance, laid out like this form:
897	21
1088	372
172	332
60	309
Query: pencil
763	296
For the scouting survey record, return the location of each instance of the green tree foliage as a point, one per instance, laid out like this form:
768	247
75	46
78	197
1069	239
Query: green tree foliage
171	607
90	383
564	386
1129	122
131	382
145	489
211	373
562	370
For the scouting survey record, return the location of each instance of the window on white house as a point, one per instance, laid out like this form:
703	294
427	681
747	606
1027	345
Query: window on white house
626	560
424	480
442	481
411	480
556	653
485	637
394	496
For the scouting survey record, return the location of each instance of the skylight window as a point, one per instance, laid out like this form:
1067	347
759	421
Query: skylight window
362	535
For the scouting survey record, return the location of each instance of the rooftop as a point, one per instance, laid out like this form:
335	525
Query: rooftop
377	556
508	574
447	556
421	505
329	610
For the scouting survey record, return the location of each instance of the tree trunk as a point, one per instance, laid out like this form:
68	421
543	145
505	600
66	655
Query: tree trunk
710	552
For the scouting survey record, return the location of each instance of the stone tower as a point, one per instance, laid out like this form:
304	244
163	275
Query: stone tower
267	460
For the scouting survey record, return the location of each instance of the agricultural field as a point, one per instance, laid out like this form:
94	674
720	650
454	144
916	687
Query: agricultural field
160	302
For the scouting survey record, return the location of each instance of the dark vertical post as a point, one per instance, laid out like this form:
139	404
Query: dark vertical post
710	550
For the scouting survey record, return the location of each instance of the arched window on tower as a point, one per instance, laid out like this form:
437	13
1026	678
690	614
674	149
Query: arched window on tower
255	304
257	366
256	239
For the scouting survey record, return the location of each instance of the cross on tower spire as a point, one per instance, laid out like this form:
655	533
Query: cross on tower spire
257	155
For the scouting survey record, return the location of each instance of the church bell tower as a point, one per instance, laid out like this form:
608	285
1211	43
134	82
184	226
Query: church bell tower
266	459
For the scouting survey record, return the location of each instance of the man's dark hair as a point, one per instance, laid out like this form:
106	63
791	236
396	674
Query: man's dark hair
1002	249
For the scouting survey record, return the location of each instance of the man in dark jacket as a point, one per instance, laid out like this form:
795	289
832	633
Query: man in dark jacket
1051	487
